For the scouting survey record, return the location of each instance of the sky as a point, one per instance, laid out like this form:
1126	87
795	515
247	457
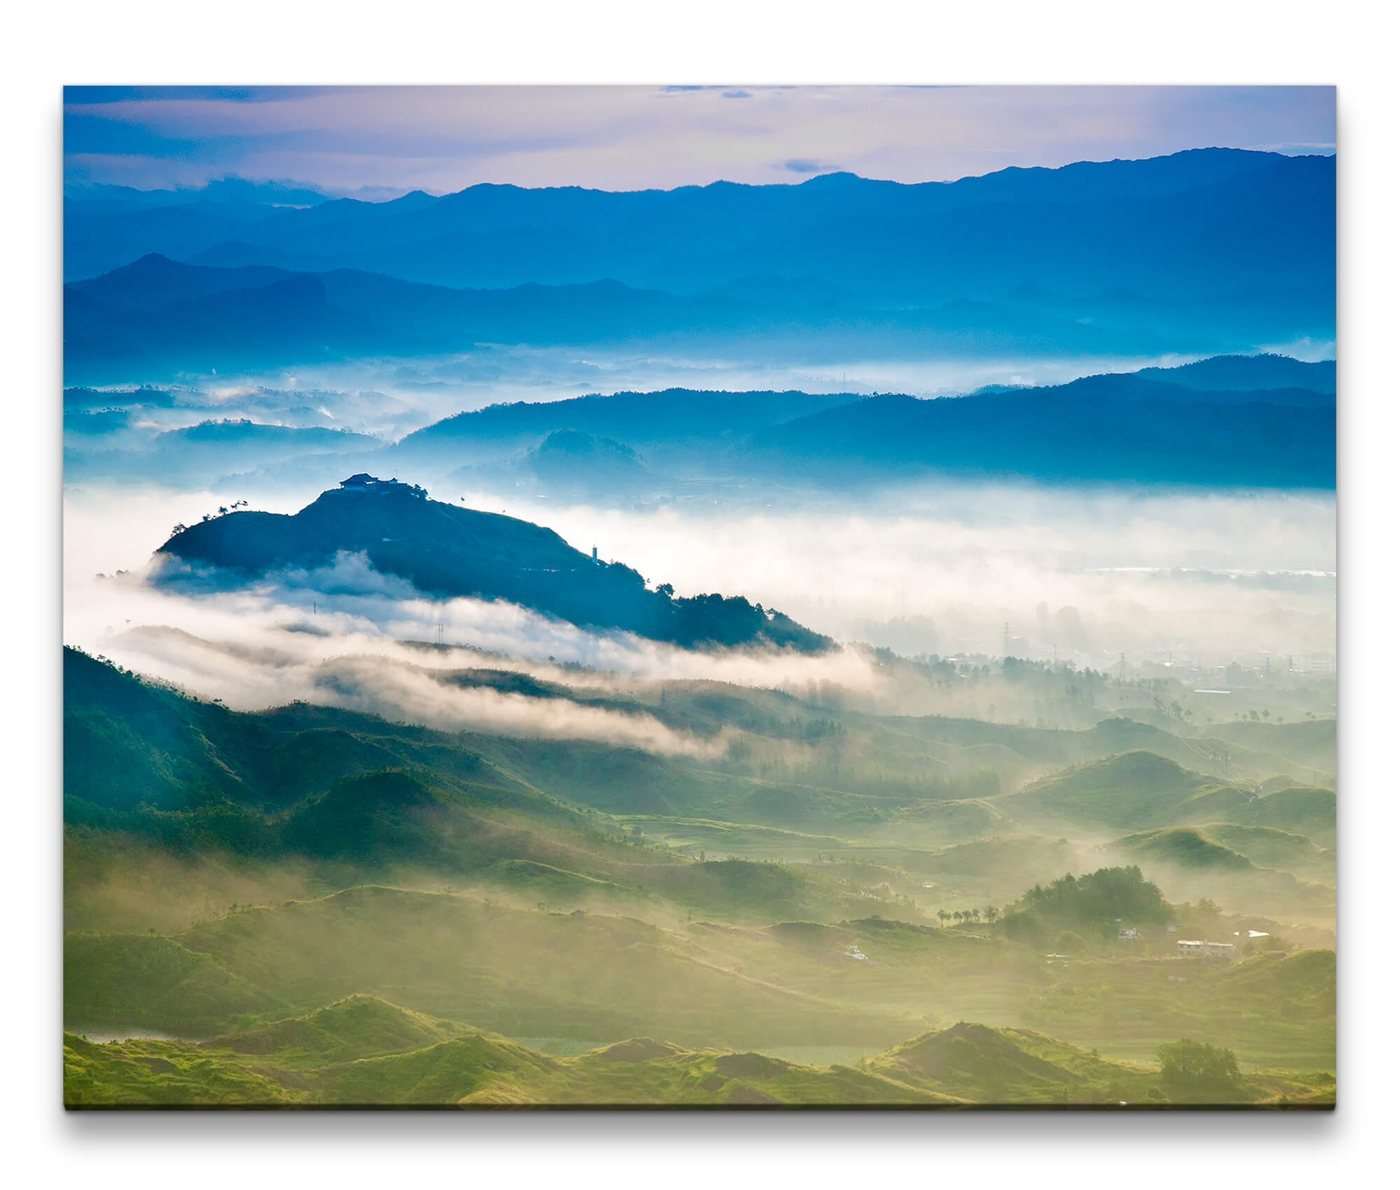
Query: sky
378	142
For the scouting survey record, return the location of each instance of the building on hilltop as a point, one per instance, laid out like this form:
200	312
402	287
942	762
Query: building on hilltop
363	482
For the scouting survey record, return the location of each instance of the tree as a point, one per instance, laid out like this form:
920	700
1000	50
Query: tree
1197	1064
1098	898
943	916
991	912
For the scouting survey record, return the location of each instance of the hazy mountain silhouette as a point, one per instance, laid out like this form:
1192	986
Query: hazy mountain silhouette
1104	428
693	236
1211	249
159	316
671	417
1224	373
447	551
1132	427
570	461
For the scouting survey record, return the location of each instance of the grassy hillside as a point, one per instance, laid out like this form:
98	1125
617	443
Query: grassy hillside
1274	1010
1270	847
228	807
1134	789
1017	1066
810	765
162	1074
1002	1065
857	982
342	904
1310	742
1140	790
520	972
962	1065
357	1027
1292	877
1185	847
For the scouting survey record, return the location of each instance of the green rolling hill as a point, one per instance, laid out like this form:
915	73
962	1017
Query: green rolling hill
1183	846
960	1066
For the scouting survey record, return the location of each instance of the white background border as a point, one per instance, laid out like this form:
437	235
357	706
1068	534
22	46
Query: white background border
722	41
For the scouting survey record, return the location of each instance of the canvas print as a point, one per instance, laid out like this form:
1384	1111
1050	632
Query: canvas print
699	597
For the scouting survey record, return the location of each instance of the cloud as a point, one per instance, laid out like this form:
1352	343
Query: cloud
1078	574
807	165
349	599
253	653
442	139
942	568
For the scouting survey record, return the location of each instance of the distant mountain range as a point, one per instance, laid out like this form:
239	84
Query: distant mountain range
1227	421
1110	428
696	237
158	318
1159	425
670	417
1207	250
446	551
1246	373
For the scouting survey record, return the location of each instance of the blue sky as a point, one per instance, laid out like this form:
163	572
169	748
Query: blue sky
382	141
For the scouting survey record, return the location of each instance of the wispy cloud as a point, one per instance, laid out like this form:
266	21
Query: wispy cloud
269	666
444	138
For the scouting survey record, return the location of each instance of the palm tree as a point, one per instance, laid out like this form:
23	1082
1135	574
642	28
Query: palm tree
943	916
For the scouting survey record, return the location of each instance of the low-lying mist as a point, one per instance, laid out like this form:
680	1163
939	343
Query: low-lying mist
345	637
1078	575
1075	573
392	397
